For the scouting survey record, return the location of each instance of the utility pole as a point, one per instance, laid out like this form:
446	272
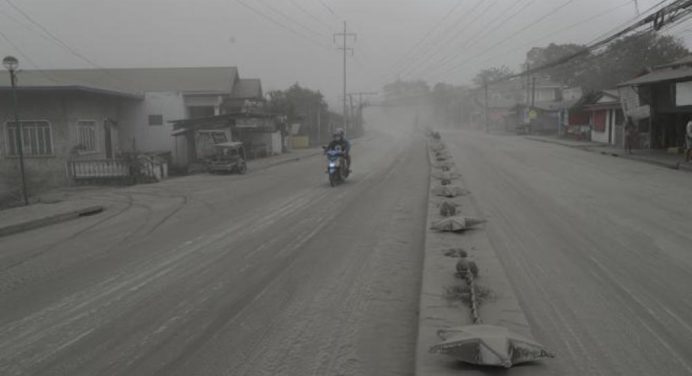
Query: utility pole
344	47
533	100
11	63
319	123
487	121
360	96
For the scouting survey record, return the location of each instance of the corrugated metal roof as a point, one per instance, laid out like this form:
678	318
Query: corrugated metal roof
134	80
247	88
660	75
684	61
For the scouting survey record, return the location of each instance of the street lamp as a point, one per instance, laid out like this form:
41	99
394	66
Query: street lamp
11	63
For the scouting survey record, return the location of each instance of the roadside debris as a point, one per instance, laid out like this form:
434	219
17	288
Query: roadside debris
455	252
449	191
456	224
464	267
448	209
446	175
489	345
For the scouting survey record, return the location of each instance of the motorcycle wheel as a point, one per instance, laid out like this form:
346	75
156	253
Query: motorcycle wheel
332	180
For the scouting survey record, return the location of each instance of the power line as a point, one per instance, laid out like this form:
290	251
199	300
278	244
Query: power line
516	33
311	15
559	31
435	27
435	49
473	40
26	57
328	8
281	25
432	49
658	20
291	19
55	38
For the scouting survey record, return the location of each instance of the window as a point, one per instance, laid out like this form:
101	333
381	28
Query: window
36	138
86	135
155	119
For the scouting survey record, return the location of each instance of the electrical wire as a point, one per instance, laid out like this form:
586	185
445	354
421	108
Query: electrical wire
438	24
433	49
281	25
291	20
328	8
312	15
472	41
515	34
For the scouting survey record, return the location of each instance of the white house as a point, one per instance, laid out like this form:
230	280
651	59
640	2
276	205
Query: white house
606	118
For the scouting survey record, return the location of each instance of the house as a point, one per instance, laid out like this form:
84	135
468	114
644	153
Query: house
553	111
97	114
660	103
260	133
606	117
58	123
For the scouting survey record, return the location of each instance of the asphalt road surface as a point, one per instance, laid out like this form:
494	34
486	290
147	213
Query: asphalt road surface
598	249
271	273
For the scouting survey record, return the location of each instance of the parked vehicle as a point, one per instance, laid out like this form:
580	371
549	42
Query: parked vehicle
336	166
229	157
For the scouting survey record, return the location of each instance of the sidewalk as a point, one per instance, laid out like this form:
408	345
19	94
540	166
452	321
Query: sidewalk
656	157
68	203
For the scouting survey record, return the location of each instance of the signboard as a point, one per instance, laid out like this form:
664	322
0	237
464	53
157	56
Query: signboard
247	123
683	93
641	112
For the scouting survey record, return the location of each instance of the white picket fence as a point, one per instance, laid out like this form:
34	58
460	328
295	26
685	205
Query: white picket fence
117	169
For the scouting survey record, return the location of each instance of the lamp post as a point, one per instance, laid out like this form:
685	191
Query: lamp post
11	63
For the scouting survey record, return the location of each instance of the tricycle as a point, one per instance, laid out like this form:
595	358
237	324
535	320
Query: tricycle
228	157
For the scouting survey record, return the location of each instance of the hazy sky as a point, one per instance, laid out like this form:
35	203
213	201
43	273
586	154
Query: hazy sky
437	40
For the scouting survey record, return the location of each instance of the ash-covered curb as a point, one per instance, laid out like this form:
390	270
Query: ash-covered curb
440	308
38	221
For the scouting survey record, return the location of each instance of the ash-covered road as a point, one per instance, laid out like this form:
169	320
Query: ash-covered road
272	273
598	249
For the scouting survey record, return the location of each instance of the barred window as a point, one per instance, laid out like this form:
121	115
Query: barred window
86	135
36	138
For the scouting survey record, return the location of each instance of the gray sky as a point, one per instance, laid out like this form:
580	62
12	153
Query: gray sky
150	33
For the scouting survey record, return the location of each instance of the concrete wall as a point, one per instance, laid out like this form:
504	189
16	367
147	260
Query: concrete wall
62	110
610	134
137	135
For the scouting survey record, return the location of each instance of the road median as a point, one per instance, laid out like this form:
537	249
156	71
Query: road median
443	303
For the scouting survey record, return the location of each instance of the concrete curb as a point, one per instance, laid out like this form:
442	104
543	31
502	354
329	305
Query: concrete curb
49	220
436	310
594	149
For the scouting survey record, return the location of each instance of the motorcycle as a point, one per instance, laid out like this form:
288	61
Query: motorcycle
336	166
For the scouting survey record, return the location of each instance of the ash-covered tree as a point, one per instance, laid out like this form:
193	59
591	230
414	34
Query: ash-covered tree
406	92
620	61
491	74
571	73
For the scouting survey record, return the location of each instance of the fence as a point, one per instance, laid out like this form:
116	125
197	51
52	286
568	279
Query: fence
139	169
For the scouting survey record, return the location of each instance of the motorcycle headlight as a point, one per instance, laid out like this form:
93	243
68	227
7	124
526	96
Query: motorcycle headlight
332	164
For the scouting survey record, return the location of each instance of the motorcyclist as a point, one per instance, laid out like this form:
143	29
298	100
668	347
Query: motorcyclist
343	143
